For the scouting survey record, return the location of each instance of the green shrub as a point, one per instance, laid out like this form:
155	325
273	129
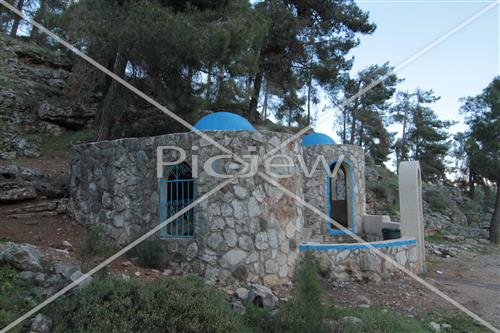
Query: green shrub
472	211
305	310
435	201
262	320
94	246
377	320
16	296
166	305
151	253
58	146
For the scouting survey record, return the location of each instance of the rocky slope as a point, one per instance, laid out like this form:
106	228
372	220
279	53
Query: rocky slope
445	206
38	97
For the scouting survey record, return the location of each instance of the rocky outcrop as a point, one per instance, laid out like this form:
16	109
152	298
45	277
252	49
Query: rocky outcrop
445	207
72	117
18	184
37	96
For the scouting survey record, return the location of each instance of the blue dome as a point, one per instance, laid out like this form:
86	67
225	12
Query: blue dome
223	121
317	139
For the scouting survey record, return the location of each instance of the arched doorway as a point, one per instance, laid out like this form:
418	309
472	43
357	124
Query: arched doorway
176	193
340	197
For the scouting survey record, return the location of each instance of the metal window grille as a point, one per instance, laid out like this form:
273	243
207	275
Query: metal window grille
177	192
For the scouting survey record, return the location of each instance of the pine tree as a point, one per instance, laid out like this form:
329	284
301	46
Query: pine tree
483	117
365	118
307	42
425	136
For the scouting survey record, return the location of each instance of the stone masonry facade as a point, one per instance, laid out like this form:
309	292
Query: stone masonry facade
249	230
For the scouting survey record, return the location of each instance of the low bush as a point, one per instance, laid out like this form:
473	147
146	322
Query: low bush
166	305
151	253
304	311
17	296
435	201
94	246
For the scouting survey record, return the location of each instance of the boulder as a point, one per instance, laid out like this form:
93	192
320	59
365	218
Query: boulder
41	324
65	269
242	294
352	320
262	296
435	326
25	257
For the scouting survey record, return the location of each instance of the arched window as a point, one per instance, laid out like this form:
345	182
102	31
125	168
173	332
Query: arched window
340	198
176	193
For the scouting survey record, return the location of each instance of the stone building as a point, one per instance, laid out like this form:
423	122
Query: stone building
249	230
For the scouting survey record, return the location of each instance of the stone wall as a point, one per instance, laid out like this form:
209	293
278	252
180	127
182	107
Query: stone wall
248	230
315	188
360	264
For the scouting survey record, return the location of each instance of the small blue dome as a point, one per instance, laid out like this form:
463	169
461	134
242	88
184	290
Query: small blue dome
223	121
317	139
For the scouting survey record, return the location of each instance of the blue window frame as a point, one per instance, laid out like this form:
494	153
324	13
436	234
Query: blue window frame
349	188
176	193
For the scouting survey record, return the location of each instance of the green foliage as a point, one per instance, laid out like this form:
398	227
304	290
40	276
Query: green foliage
94	246
363	120
424	136
376	320
435	201
483	117
151	253
262	320
385	192
58	146
166	305
305	309
16	296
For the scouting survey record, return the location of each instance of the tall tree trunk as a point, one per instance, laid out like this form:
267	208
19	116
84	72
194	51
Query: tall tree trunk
353	126
107	115
266	97
309	92
257	83
17	19
495	218
344	128
472	183
209	84
40	17
361	130
402	151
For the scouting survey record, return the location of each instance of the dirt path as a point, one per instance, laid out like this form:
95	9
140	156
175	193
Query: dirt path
471	278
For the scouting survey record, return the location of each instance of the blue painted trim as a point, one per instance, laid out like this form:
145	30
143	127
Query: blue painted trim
353	246
332	231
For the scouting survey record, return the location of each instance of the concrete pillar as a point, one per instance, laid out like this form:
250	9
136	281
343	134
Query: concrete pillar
410	203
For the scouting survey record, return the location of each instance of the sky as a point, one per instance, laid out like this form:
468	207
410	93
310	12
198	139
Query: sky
462	65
